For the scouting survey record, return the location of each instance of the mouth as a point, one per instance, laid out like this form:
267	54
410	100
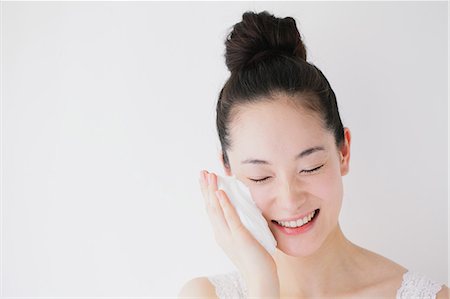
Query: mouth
294	227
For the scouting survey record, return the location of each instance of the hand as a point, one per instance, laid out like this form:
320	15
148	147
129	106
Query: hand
253	261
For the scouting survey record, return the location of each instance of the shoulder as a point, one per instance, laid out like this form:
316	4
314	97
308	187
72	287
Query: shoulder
379	275
224	285
443	293
198	287
382	271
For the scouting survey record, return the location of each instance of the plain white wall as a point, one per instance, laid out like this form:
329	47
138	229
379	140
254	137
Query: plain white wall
108	115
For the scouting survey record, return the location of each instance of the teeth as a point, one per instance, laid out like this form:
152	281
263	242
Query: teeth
299	222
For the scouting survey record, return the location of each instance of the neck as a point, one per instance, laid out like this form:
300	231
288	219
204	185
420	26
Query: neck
321	271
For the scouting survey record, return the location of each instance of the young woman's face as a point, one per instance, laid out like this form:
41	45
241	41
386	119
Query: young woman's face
277	132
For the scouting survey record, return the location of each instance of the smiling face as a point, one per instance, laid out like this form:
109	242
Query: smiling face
267	139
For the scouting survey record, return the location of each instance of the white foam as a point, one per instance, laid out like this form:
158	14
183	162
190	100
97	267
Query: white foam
249	213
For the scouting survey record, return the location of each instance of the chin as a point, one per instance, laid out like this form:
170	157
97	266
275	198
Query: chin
298	250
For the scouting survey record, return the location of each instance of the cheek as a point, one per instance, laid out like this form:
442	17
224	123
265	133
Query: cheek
328	187
260	197
330	193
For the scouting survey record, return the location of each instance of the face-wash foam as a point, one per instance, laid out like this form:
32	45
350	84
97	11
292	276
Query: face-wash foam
250	215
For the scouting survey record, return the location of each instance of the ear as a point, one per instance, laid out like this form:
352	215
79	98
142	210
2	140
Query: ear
345	152
225	169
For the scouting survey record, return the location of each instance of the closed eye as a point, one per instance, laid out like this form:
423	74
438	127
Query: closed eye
259	181
312	170
306	171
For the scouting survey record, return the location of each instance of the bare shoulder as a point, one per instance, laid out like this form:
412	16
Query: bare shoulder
379	275
443	293
383	269
388	276
199	287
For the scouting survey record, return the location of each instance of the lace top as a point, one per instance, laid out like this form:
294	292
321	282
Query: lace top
415	285
229	285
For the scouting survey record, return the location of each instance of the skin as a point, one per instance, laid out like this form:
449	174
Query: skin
321	263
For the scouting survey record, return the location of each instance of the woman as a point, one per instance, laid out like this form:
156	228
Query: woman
282	136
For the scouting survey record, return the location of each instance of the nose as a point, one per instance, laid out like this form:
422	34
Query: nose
291	195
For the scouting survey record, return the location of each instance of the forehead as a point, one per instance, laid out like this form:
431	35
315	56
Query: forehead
276	125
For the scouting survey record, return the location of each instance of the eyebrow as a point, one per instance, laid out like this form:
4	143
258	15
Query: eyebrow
303	154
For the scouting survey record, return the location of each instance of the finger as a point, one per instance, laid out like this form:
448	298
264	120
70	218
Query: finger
218	217
204	187
219	227
203	180
232	217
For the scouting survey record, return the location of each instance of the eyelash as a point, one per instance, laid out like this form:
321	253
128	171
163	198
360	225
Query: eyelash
307	171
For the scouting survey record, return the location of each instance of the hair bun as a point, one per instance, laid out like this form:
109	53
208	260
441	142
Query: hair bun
260	35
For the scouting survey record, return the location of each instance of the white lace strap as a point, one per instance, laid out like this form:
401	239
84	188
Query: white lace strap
416	285
229	285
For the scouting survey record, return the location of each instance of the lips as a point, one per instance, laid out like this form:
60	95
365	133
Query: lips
297	230
295	218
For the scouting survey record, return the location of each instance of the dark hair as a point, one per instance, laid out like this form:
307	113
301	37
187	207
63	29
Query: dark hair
266	56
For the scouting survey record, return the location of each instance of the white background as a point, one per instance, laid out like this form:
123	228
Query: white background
108	115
